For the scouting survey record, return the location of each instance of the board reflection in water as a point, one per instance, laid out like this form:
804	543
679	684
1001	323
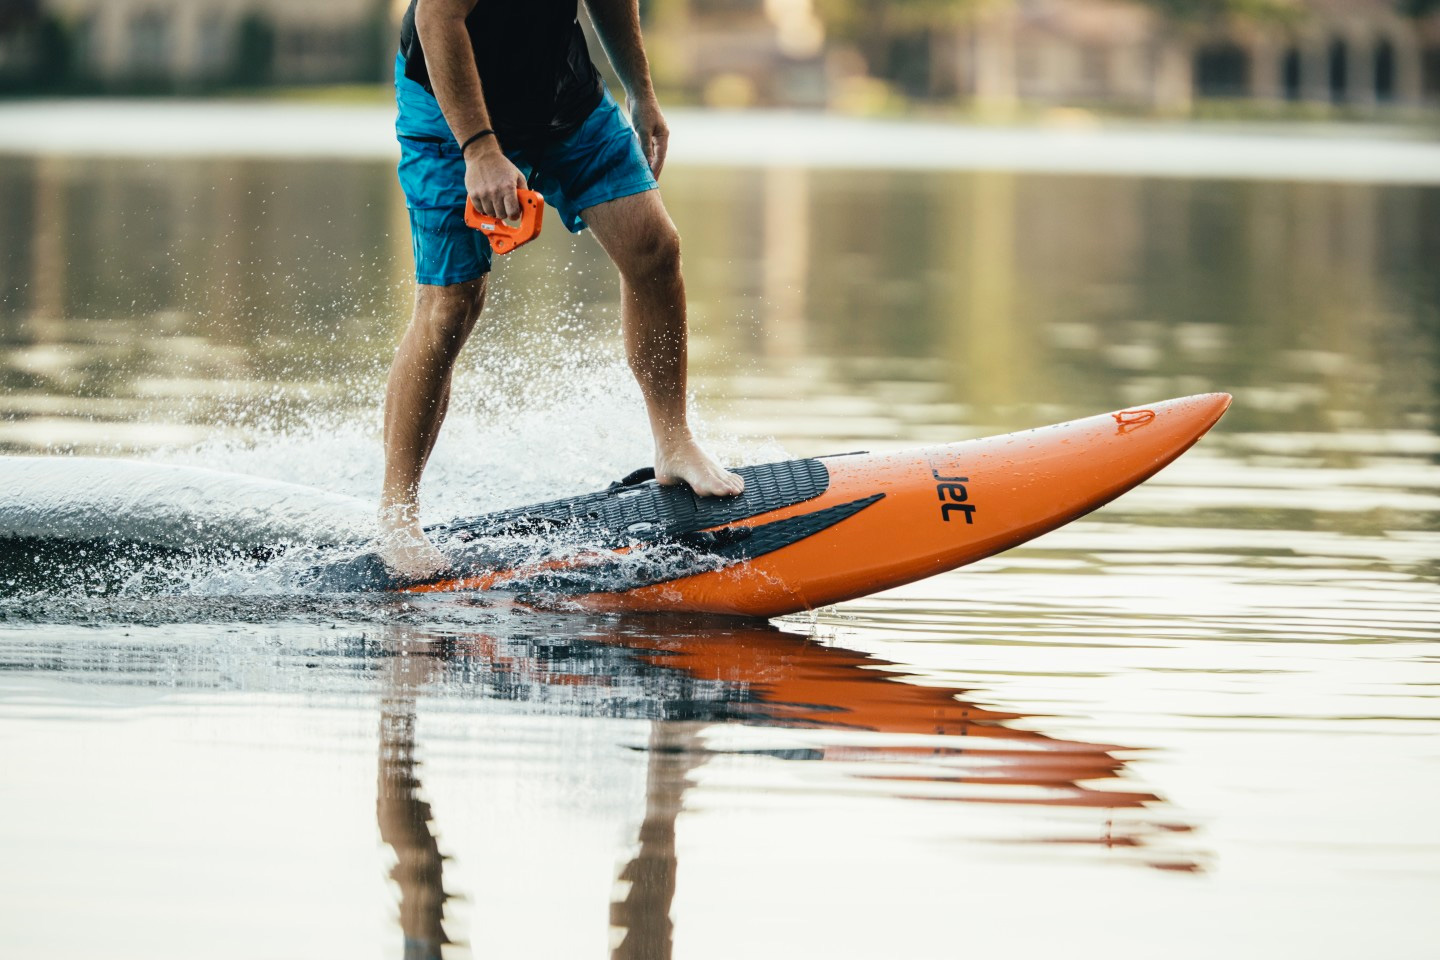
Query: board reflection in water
920	743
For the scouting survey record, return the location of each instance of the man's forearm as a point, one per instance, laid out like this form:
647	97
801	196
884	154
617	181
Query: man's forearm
451	64
617	24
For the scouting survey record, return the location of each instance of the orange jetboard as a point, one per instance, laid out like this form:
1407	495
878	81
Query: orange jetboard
809	533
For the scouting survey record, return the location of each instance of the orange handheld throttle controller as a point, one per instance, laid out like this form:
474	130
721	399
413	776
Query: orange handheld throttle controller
503	237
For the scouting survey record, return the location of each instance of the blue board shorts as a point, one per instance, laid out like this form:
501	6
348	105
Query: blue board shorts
602	160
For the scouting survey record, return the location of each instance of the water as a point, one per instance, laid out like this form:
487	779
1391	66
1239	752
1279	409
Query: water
1200	721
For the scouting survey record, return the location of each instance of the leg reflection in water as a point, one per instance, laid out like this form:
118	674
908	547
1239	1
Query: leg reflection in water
644	912
405	818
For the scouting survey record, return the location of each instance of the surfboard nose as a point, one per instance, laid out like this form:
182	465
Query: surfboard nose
1117	451
1171	425
1199	407
1051	475
1203	407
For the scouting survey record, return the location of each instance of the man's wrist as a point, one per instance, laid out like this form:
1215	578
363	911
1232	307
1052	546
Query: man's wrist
481	148
643	95
475	137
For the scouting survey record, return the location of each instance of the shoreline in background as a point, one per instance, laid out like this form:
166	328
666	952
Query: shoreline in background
758	138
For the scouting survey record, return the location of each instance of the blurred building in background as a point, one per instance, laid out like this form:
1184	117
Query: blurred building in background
1355	52
186	45
1149	54
855	54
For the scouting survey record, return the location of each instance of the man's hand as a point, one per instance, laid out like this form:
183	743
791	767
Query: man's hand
654	133
491	180
617	24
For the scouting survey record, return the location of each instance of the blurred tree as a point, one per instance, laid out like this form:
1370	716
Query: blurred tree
53	49
35	48
1214	9
1418	8
254	50
377	40
857	20
873	26
17	13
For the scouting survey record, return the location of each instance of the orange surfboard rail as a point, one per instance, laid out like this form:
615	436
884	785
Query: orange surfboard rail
940	507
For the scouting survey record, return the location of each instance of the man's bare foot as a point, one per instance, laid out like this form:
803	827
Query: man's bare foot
403	546
683	460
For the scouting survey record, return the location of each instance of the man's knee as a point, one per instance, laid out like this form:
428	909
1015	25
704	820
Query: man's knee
448	314
653	254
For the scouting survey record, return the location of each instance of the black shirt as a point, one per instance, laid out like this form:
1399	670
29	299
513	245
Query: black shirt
535	70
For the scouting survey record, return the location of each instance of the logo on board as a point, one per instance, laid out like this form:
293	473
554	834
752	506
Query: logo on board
954	496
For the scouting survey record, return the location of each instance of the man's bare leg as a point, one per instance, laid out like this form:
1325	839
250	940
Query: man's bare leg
417	396
640	238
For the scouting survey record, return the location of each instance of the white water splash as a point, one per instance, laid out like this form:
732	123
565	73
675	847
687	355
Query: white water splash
537	417
542	415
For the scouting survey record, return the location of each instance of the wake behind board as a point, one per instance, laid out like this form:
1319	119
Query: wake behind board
806	533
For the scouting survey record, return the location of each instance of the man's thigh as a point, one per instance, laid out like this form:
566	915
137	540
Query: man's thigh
600	162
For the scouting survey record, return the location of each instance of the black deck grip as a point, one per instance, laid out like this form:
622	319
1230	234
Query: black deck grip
646	511
634	477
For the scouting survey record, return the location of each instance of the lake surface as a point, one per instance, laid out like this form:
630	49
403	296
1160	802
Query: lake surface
1202	721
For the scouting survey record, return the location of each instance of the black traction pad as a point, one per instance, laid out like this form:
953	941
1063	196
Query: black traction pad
669	522
647	511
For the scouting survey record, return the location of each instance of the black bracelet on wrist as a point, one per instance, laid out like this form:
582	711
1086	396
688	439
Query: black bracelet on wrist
487	132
